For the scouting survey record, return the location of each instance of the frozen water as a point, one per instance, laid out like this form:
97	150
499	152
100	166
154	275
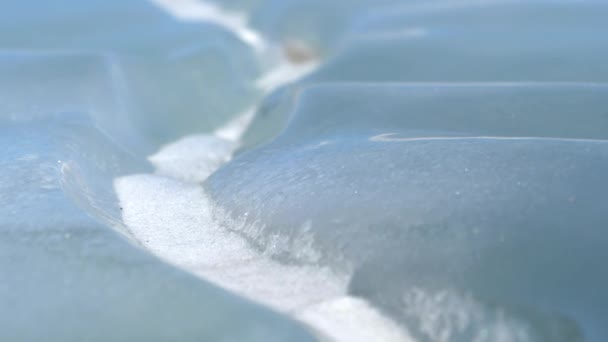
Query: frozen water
482	41
269	170
430	214
178	83
67	277
567	110
68	127
515	221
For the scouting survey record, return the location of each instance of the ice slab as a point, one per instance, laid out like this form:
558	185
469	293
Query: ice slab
484	41
300	113
512	221
457	226
75	277
181	84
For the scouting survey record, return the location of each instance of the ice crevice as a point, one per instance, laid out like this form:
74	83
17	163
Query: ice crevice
169	214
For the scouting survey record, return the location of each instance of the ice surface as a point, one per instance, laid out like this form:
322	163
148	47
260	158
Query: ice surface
40	85
67	276
178	82
454	231
566	110
168	171
515	221
317	23
173	218
484	41
65	134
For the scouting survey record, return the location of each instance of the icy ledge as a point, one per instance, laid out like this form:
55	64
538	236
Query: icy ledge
170	215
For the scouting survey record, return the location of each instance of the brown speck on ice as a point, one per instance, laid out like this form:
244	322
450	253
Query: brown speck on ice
298	52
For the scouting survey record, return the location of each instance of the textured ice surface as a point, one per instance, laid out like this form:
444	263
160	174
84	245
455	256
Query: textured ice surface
65	275
315	22
455	231
440	176
68	127
396	111
513	222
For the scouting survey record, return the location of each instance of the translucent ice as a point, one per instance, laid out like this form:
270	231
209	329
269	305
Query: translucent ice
178	82
440	176
65	133
476	41
466	212
396	111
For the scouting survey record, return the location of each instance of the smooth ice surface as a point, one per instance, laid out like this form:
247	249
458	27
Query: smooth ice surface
178	82
476	41
170	215
566	110
298	170
318	23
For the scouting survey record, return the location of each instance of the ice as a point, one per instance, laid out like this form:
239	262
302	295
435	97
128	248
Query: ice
67	274
46	85
505	15
201	11
179	84
319	24
485	41
176	221
171	216
65	108
438	213
80	109
432	204
193	158
396	111
297	170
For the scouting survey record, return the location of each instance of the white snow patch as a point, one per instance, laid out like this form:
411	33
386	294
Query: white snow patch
194	10
175	221
352	319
